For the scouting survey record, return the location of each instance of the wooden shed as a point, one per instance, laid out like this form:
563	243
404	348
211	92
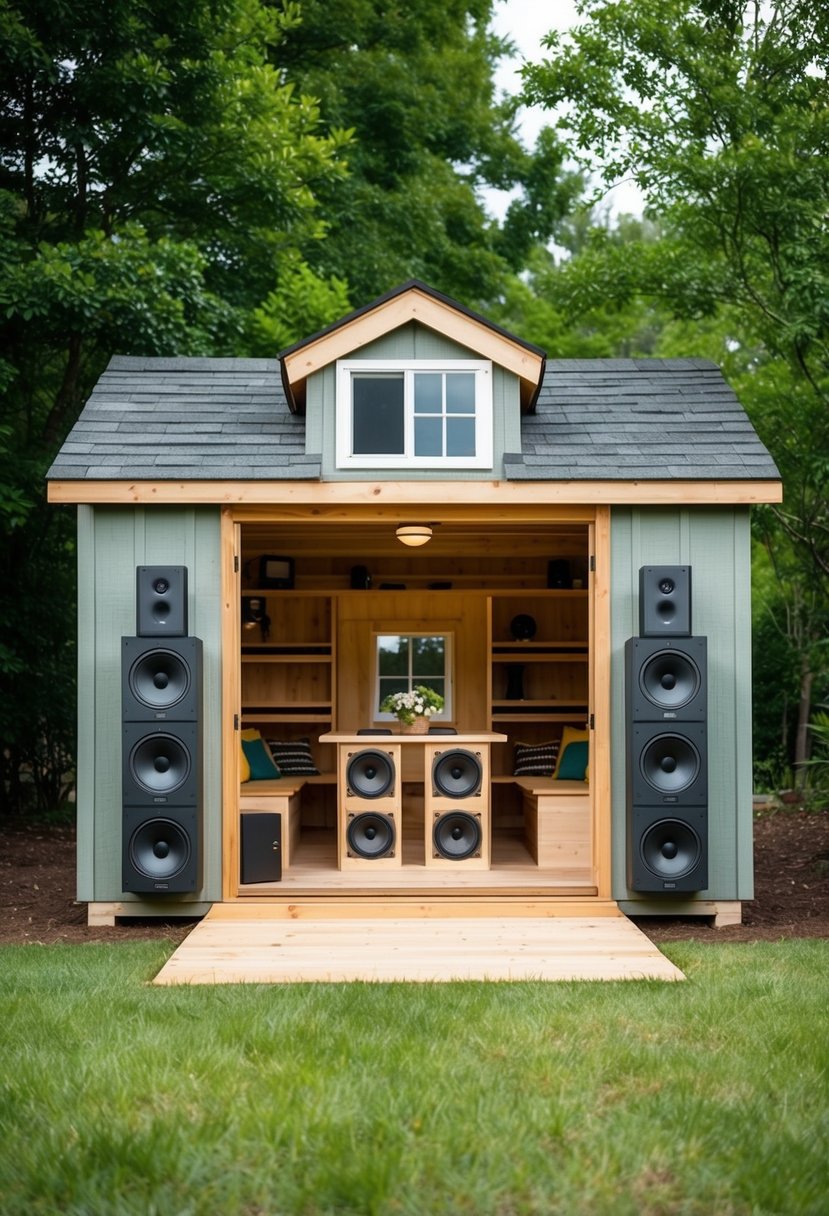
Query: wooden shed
594	749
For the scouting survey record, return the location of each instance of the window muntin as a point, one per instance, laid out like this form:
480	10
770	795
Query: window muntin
402	661
416	413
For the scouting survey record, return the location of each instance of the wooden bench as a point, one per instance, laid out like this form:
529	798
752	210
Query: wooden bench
281	795
556	821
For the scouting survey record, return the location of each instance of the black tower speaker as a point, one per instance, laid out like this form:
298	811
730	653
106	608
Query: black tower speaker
161	764
665	601
666	694
161	601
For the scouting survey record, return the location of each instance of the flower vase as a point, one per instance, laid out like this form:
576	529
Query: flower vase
420	726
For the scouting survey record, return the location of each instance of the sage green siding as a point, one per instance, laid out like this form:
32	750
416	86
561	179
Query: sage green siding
112	541
410	342
715	542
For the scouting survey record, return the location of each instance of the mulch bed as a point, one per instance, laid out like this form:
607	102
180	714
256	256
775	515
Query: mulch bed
37	889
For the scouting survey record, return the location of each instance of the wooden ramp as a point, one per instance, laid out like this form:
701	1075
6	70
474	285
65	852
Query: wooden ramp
271	945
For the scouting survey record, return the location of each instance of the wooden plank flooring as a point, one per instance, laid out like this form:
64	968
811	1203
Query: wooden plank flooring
273	945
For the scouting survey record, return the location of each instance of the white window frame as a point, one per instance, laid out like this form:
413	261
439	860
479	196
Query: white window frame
445	714
347	459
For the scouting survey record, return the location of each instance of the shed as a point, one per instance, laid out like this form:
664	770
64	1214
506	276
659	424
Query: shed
580	598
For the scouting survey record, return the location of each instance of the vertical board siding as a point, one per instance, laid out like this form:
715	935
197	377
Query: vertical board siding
112	541
411	342
715	542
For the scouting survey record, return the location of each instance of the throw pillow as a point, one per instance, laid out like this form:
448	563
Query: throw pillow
570	735
293	757
262	767
573	765
535	759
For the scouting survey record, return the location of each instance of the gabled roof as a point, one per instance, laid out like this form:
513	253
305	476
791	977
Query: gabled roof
412	301
612	420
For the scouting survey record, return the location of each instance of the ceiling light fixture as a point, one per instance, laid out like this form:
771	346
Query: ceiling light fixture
414	534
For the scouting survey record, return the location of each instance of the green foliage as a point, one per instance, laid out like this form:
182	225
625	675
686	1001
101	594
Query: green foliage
625	1099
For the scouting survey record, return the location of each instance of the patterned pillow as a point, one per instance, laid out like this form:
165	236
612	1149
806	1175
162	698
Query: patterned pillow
293	757
535	759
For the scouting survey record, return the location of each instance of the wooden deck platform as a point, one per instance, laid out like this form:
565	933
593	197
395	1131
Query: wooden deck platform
288	943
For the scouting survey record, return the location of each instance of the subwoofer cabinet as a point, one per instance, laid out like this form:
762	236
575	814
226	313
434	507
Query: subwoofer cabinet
666	698
457	827
369	819
161	764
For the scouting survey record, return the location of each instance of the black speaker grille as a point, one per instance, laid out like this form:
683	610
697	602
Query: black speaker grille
670	680
457	773
160	679
370	774
457	835
370	835
671	849
670	763
159	849
159	764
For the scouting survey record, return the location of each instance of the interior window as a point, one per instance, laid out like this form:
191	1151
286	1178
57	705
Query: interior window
403	661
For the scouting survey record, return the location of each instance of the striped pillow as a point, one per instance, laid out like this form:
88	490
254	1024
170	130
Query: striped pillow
534	759
293	757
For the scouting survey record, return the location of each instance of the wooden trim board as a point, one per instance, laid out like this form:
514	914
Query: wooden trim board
284	950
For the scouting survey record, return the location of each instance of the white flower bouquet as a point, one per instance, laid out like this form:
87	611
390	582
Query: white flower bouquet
421	702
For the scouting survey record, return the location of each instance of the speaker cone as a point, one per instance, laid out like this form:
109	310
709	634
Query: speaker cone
370	835
457	835
670	848
159	764
670	763
670	679
457	774
370	774
159	849
159	679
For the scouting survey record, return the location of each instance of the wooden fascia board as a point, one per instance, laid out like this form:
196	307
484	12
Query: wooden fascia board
413	305
486	494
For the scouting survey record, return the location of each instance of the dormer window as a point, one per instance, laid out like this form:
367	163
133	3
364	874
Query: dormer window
414	414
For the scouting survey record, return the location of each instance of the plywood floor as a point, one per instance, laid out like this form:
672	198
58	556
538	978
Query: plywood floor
231	946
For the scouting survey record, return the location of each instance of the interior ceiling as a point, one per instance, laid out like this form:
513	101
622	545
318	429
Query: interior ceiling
358	541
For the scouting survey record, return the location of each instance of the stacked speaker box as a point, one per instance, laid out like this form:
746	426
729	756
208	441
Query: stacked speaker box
370	795
161	726
457	828
666	711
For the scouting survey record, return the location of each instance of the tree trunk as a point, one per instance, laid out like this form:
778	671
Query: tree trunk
804	713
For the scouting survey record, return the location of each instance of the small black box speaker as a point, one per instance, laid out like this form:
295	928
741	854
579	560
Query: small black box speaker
161	601
665	601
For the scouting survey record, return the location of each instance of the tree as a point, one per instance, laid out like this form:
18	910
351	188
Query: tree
415	84
157	181
718	110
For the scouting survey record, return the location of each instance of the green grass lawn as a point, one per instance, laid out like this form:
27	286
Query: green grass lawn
708	1097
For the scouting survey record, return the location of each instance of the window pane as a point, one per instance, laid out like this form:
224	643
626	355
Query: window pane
429	436
460	393
428	392
378	415
389	686
393	656
460	436
428	657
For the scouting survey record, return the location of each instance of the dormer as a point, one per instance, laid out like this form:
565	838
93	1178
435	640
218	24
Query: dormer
414	383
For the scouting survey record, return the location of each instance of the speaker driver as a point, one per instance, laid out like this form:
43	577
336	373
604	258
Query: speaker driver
457	774
370	774
159	764
670	763
670	679
457	835
159	679
670	848
159	849
370	835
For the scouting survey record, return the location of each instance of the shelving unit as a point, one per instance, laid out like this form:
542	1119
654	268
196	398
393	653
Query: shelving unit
540	682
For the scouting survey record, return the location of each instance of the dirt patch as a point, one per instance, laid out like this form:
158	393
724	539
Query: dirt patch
37	889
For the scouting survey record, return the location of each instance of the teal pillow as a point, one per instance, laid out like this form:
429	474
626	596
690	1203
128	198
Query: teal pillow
573	763
260	760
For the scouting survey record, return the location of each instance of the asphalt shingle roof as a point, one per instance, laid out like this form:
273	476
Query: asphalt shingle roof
228	419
